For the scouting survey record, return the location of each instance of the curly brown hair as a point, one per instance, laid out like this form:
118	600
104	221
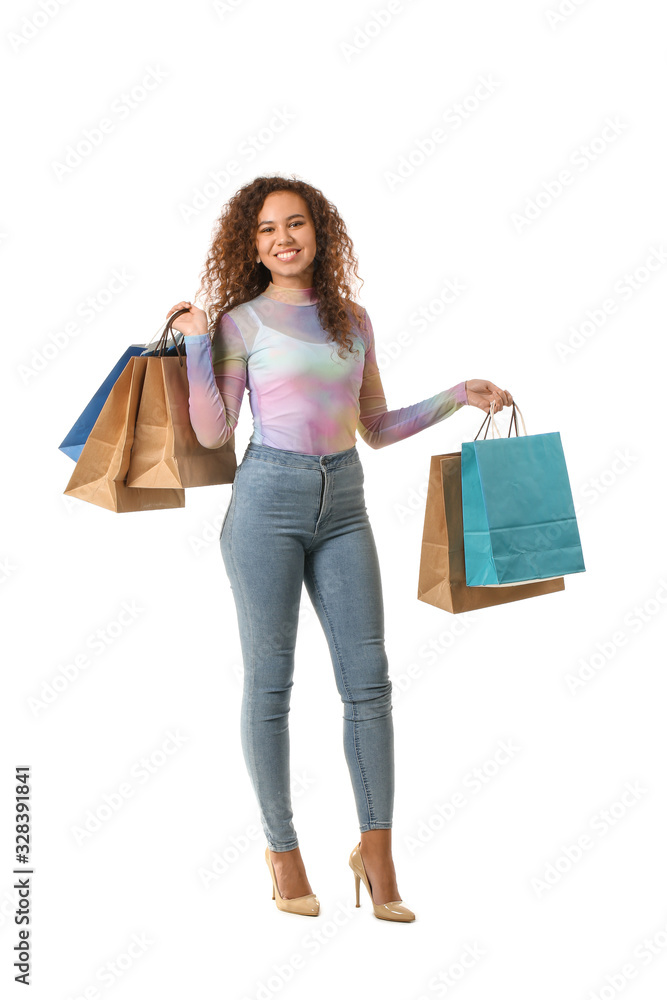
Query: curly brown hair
232	275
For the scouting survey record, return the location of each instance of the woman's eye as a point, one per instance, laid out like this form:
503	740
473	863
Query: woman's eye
297	222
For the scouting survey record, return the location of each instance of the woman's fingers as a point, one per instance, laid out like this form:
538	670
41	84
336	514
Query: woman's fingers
488	392
502	396
180	305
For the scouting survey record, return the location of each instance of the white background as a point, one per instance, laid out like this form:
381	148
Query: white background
360	97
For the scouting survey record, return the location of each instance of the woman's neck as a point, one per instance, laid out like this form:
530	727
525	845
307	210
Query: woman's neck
292	296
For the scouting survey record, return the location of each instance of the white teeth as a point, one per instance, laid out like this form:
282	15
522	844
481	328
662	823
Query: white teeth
287	253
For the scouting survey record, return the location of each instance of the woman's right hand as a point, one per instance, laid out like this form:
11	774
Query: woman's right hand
191	323
482	393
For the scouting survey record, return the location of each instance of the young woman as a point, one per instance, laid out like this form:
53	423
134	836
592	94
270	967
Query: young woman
284	323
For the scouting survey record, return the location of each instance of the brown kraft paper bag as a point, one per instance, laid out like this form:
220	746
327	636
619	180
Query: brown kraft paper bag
99	474
166	453
442	577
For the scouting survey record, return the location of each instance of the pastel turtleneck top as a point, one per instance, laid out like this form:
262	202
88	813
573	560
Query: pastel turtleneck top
303	396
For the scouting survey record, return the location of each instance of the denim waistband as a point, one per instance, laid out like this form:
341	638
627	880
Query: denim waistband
279	456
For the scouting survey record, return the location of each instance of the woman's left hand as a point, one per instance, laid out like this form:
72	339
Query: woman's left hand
481	393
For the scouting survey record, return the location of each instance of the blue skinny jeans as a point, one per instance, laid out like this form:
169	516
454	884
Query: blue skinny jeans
292	518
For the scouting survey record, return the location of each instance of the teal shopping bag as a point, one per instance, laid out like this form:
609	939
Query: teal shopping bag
519	522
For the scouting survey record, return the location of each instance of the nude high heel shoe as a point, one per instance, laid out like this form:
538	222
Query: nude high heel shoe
308	906
394	910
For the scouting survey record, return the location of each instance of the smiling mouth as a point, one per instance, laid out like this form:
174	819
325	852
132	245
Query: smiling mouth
287	255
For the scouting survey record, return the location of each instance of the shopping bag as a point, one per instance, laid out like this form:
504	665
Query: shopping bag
442	577
99	474
165	451
519	522
73	442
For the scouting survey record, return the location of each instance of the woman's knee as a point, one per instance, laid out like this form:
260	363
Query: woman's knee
365	703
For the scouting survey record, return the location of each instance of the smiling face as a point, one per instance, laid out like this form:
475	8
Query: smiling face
285	227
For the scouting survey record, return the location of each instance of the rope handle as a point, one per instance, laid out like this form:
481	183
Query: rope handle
489	420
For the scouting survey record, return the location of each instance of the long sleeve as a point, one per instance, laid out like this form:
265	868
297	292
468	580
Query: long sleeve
217	377
379	426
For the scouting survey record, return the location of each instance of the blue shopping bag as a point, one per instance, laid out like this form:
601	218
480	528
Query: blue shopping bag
519	522
73	442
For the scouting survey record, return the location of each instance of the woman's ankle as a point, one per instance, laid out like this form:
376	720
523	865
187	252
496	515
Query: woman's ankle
376	843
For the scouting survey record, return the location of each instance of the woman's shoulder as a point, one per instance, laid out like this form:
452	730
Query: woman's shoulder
239	322
242	309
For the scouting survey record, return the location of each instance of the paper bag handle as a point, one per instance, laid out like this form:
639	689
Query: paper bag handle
490	422
161	347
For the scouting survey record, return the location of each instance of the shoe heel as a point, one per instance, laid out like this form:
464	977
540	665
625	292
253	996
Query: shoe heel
308	905
394	910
